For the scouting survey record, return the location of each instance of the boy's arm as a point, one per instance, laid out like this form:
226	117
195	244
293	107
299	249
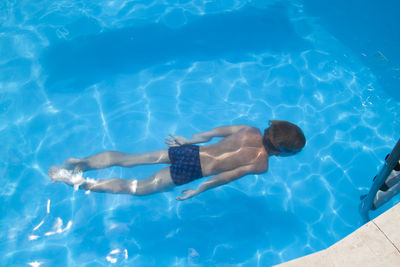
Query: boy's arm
204	136
219	179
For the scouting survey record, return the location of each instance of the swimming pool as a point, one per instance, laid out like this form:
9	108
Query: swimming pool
79	77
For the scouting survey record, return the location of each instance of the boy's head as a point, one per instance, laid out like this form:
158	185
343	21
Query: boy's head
283	138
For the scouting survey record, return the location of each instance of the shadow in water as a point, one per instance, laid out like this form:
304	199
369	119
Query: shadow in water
80	62
224	229
367	28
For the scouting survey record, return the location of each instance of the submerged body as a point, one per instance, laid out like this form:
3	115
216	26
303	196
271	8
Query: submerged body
242	151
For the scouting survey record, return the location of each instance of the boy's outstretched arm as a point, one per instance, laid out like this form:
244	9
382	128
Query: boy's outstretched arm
219	179
204	136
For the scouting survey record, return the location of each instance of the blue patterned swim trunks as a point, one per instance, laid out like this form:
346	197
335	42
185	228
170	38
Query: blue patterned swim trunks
185	162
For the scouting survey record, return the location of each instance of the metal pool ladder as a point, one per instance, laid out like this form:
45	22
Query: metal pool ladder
369	202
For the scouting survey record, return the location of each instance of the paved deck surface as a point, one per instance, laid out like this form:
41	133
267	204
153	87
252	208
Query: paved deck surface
376	243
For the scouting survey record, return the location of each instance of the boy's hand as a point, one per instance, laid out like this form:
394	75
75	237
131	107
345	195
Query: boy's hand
188	194
176	141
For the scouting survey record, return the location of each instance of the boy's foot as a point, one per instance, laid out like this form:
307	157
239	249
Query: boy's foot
75	165
66	176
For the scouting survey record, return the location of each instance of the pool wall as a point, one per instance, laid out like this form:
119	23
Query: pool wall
80	77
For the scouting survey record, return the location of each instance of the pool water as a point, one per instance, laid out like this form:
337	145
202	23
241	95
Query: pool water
80	77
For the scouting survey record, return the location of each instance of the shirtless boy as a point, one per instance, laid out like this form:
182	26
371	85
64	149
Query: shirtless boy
243	150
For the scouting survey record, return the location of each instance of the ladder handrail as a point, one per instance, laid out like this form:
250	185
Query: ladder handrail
367	202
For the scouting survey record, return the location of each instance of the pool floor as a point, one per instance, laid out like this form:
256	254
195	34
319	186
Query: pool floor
81	77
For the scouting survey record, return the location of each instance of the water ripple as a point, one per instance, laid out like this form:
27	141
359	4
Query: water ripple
303	204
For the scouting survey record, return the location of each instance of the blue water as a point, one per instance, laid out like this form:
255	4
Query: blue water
80	77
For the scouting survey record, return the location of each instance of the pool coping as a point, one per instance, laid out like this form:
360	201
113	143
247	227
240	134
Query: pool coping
376	243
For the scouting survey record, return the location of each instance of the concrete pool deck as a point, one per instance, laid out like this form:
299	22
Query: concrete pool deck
376	243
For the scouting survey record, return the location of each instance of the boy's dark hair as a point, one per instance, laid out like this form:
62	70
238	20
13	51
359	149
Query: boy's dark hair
287	136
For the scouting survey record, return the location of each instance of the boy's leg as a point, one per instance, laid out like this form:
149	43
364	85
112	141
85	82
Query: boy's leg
115	158
158	182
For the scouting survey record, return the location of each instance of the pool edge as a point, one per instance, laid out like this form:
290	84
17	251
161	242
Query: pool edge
376	243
